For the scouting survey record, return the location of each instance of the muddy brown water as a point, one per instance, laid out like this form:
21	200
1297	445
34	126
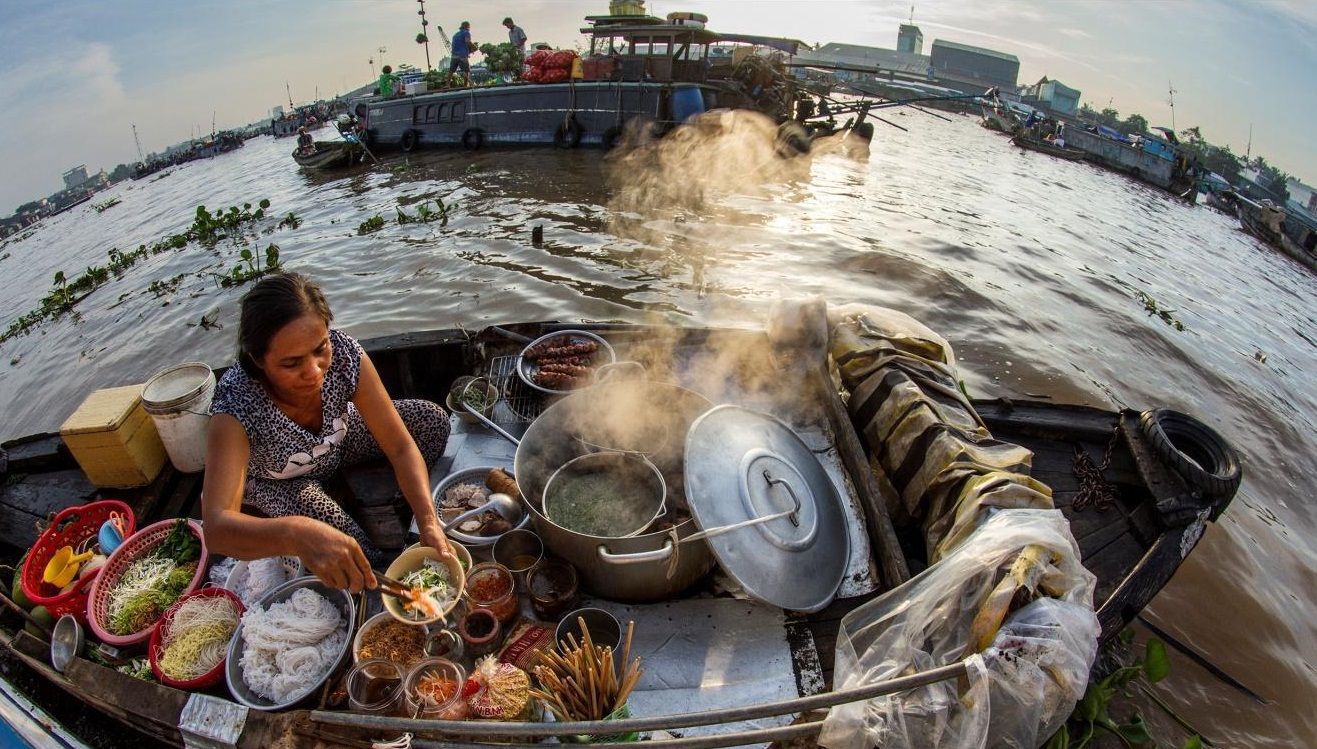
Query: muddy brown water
1031	266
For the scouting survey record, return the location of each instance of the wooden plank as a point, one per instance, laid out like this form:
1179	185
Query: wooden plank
19	529
45	494
41	452
1124	589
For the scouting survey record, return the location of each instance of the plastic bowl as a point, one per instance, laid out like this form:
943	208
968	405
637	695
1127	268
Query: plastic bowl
154	650
472	476
233	662
410	560
135	547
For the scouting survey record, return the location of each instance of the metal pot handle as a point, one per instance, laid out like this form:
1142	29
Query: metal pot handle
638	557
620	369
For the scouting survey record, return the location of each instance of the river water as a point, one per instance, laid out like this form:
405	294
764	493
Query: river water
1029	265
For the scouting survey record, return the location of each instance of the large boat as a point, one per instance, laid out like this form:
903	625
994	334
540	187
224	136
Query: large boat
638	69
836	532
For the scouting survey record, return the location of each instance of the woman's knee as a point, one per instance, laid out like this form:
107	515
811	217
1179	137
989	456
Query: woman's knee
428	425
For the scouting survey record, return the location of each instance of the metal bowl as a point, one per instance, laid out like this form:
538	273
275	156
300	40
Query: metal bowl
472	476
233	663
66	642
527	369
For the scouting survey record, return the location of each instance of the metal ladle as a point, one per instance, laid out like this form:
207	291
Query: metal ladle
462	404
507	508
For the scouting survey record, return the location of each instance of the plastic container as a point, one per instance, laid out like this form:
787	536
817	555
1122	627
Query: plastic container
155	650
114	439
178	400
73	526
375	686
490	585
454	708
135	547
687	101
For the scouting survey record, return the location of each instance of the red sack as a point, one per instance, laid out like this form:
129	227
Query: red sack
537	58
557	75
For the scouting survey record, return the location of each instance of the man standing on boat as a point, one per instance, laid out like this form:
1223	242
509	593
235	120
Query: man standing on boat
462	49
516	36
388	81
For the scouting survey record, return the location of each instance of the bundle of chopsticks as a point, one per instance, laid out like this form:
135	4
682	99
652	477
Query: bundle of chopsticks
581	682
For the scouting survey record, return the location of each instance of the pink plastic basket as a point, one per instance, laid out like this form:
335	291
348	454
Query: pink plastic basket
161	630
73	527
134	548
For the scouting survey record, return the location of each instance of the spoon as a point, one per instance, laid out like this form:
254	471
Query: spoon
506	507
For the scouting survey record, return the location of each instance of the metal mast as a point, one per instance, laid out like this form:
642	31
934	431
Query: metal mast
138	141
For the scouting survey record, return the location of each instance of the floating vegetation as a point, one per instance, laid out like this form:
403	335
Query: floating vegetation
209	321
248	269
105	205
426	214
1151	307
207	227
161	288
372	224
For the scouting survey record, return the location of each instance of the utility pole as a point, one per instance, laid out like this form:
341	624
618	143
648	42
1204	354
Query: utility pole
1248	150
371	60
424	37
1170	87
138	141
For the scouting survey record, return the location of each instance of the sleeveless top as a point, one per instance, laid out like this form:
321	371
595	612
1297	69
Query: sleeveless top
280	447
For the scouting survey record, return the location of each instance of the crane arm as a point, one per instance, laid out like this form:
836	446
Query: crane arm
443	35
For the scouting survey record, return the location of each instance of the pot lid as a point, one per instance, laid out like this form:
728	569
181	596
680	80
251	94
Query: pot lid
742	465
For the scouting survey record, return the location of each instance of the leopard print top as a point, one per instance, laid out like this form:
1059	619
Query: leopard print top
280	447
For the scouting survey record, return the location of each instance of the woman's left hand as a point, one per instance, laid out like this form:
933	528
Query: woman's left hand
433	536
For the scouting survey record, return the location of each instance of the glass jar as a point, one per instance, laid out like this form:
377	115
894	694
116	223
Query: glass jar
480	632
552	585
490	585
440	683
375	686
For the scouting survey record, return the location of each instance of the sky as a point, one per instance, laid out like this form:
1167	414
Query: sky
79	73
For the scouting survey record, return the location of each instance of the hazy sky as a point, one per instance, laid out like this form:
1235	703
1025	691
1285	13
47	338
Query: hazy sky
77	74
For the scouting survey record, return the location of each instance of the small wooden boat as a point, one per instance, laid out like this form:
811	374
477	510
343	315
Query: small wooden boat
330	154
1042	146
1133	540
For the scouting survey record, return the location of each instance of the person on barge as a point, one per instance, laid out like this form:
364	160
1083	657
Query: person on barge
306	145
303	401
462	49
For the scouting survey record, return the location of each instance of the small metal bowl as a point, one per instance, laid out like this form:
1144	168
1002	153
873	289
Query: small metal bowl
66	642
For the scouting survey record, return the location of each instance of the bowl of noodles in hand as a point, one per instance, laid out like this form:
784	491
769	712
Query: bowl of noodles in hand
288	643
434	585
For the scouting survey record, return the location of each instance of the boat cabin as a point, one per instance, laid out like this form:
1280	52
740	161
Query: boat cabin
647	48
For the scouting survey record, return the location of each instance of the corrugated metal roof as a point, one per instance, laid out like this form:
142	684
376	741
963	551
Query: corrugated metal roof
976	50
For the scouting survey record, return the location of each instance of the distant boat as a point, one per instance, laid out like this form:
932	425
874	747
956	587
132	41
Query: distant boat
329	154
1042	146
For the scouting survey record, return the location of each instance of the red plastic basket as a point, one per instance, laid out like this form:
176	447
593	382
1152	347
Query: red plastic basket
158	633
73	526
134	548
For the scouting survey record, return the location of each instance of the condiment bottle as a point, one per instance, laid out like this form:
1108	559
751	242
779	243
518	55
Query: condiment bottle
552	585
480	632
453	708
490	585
375	686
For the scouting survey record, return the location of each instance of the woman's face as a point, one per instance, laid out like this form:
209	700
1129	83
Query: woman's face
298	357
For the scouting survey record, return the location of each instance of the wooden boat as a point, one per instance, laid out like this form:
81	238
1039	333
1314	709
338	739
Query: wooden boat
1252	221
1042	146
329	154
1133	546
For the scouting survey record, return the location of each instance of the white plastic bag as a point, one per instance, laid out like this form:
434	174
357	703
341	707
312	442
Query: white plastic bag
1018	690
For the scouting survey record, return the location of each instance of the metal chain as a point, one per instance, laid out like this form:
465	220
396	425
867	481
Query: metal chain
1094	489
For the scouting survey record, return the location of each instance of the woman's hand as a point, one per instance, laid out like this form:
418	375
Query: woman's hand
432	535
334	557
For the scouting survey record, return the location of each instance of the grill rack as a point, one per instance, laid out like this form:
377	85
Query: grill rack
523	403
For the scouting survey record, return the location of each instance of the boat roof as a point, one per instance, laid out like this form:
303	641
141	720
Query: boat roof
608	27
790	46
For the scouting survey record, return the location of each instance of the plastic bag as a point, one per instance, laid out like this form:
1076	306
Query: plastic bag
1019	689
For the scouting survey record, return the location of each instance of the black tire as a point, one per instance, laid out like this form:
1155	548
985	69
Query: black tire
792	140
1205	461
409	140
611	137
1136	173
864	130
568	134
473	139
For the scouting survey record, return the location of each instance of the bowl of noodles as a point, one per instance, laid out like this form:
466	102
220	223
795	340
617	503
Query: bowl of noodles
436	581
289	643
189	645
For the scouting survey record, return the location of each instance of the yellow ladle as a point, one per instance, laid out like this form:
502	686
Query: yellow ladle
62	567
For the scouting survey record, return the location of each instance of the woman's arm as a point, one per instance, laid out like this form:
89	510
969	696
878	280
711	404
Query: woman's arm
396	442
330	554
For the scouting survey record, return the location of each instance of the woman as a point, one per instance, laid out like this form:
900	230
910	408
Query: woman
303	401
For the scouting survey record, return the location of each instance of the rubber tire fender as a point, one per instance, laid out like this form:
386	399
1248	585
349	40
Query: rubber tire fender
568	134
792	140
864	130
1201	457
409	140
611	138
473	139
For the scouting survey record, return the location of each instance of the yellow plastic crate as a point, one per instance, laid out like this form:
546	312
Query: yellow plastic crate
114	440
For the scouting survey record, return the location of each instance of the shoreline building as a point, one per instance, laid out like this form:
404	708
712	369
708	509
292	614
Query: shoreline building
973	70
1053	95
910	40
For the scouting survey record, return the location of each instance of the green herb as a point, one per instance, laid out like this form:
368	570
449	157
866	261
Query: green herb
593	504
181	545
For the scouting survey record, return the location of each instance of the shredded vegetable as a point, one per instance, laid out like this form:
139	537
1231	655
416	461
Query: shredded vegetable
198	637
144	591
436	689
431	590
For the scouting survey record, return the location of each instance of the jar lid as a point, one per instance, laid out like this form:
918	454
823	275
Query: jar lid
742	465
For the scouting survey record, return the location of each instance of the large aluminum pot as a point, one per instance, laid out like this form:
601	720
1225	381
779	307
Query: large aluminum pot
630	414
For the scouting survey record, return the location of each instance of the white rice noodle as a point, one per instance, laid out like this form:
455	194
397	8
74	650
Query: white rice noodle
262	575
289	648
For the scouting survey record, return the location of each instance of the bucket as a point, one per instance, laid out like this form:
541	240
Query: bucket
687	101
178	399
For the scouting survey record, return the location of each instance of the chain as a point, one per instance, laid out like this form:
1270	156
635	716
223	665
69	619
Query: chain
1094	489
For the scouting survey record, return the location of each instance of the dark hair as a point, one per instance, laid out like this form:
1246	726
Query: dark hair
465	25
272	303
507	21
386	69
